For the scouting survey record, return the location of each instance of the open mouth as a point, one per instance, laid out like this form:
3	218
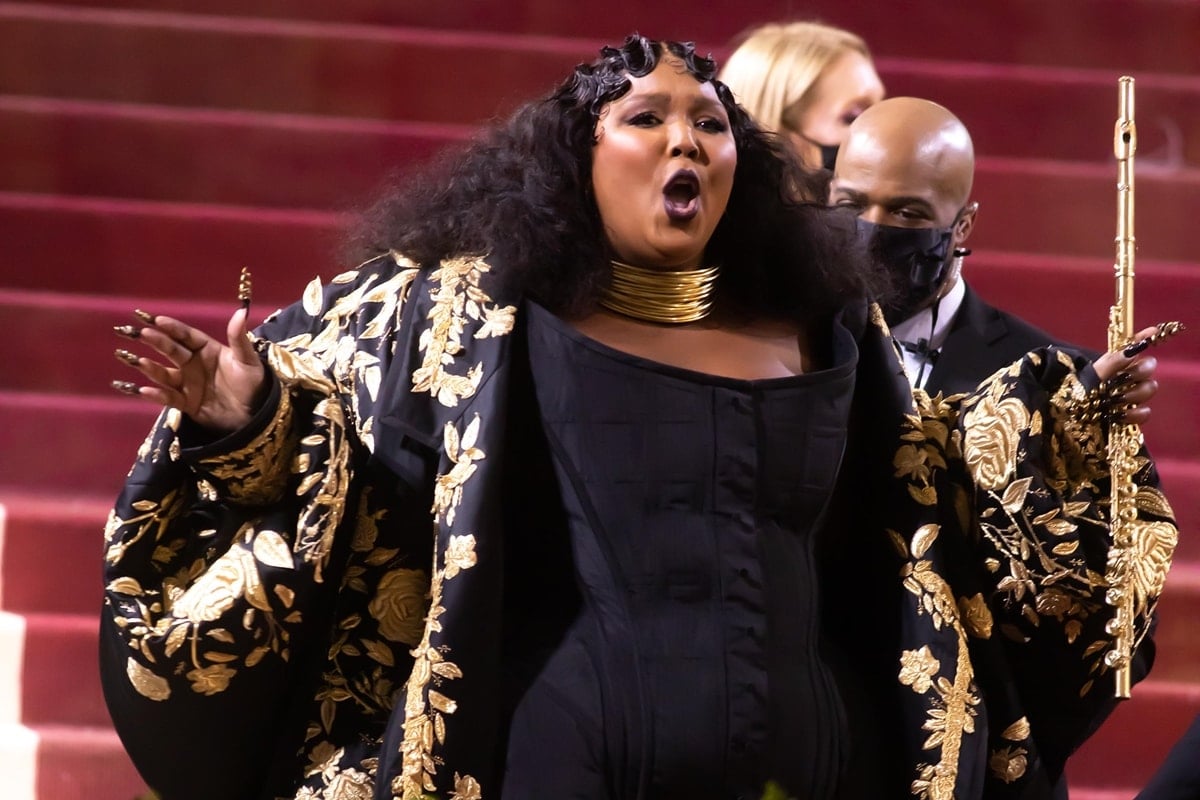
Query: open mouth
681	195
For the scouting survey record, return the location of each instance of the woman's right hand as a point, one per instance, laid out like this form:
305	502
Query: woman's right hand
218	385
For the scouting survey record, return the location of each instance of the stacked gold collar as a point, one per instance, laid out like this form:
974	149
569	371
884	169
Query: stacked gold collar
658	295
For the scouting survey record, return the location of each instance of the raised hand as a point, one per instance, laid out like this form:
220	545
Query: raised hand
218	385
1130	374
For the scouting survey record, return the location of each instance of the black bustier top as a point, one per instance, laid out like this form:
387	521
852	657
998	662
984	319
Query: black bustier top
696	667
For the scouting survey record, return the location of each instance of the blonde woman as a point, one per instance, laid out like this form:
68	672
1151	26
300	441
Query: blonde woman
805	81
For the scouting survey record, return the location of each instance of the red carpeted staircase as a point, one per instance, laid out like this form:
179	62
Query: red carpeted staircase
151	148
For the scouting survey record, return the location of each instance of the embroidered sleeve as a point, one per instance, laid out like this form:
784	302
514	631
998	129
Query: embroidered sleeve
218	566
254	471
1024	480
1041	485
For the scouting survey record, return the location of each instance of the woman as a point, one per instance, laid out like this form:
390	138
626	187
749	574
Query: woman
805	81
644	461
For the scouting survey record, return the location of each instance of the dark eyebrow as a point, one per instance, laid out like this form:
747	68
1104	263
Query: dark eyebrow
662	98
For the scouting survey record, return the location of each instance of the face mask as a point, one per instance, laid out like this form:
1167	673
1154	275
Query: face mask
828	155
917	258
828	151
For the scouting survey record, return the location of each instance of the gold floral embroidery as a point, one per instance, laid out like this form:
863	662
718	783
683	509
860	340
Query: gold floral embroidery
338	781
1008	764
256	474
337	350
463	454
993	431
152	446
1151	551
154	519
953	709
457	297
425	708
146	682
918	668
190	604
424	724
1155	502
976	616
466	788
1018	731
399	605
211	680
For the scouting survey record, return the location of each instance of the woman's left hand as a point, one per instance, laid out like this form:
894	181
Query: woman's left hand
1134	379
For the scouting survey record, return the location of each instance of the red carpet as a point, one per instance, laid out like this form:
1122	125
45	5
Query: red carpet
151	148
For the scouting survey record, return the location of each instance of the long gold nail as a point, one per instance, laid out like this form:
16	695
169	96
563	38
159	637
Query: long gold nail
1165	330
144	316
128	331
244	288
125	387
126	356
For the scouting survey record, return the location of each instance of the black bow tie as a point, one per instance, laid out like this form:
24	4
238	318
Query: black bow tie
920	348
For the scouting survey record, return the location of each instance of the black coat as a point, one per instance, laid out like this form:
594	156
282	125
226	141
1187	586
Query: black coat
982	340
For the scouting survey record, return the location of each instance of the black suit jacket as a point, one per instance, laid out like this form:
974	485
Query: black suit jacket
983	339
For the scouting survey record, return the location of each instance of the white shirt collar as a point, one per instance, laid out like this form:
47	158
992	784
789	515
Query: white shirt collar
917	327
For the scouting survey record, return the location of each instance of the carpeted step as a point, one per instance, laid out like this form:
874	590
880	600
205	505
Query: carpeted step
62	243
1178	657
1133	741
76	354
1066	32
78	763
199	155
61	683
243	158
298	67
1055	207
84	443
1070	297
302	67
51	560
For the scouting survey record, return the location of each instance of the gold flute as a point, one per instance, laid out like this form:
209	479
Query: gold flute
1124	440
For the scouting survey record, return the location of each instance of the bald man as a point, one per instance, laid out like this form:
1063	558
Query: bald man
907	166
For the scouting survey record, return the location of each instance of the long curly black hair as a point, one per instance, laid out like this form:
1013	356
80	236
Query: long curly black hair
521	194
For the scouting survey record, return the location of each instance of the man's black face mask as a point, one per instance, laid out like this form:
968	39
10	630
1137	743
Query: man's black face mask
917	258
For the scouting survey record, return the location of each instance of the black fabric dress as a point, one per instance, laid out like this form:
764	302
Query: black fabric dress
697	661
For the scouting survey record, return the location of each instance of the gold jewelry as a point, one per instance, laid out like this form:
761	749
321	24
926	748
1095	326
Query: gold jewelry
657	295
245	288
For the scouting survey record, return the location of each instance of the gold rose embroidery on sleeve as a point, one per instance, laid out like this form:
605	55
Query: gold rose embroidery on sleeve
191	622
993	432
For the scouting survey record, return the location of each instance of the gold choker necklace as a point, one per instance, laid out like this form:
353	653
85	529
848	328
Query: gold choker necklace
657	295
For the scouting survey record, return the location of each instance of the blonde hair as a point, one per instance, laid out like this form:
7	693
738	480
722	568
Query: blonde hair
776	64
